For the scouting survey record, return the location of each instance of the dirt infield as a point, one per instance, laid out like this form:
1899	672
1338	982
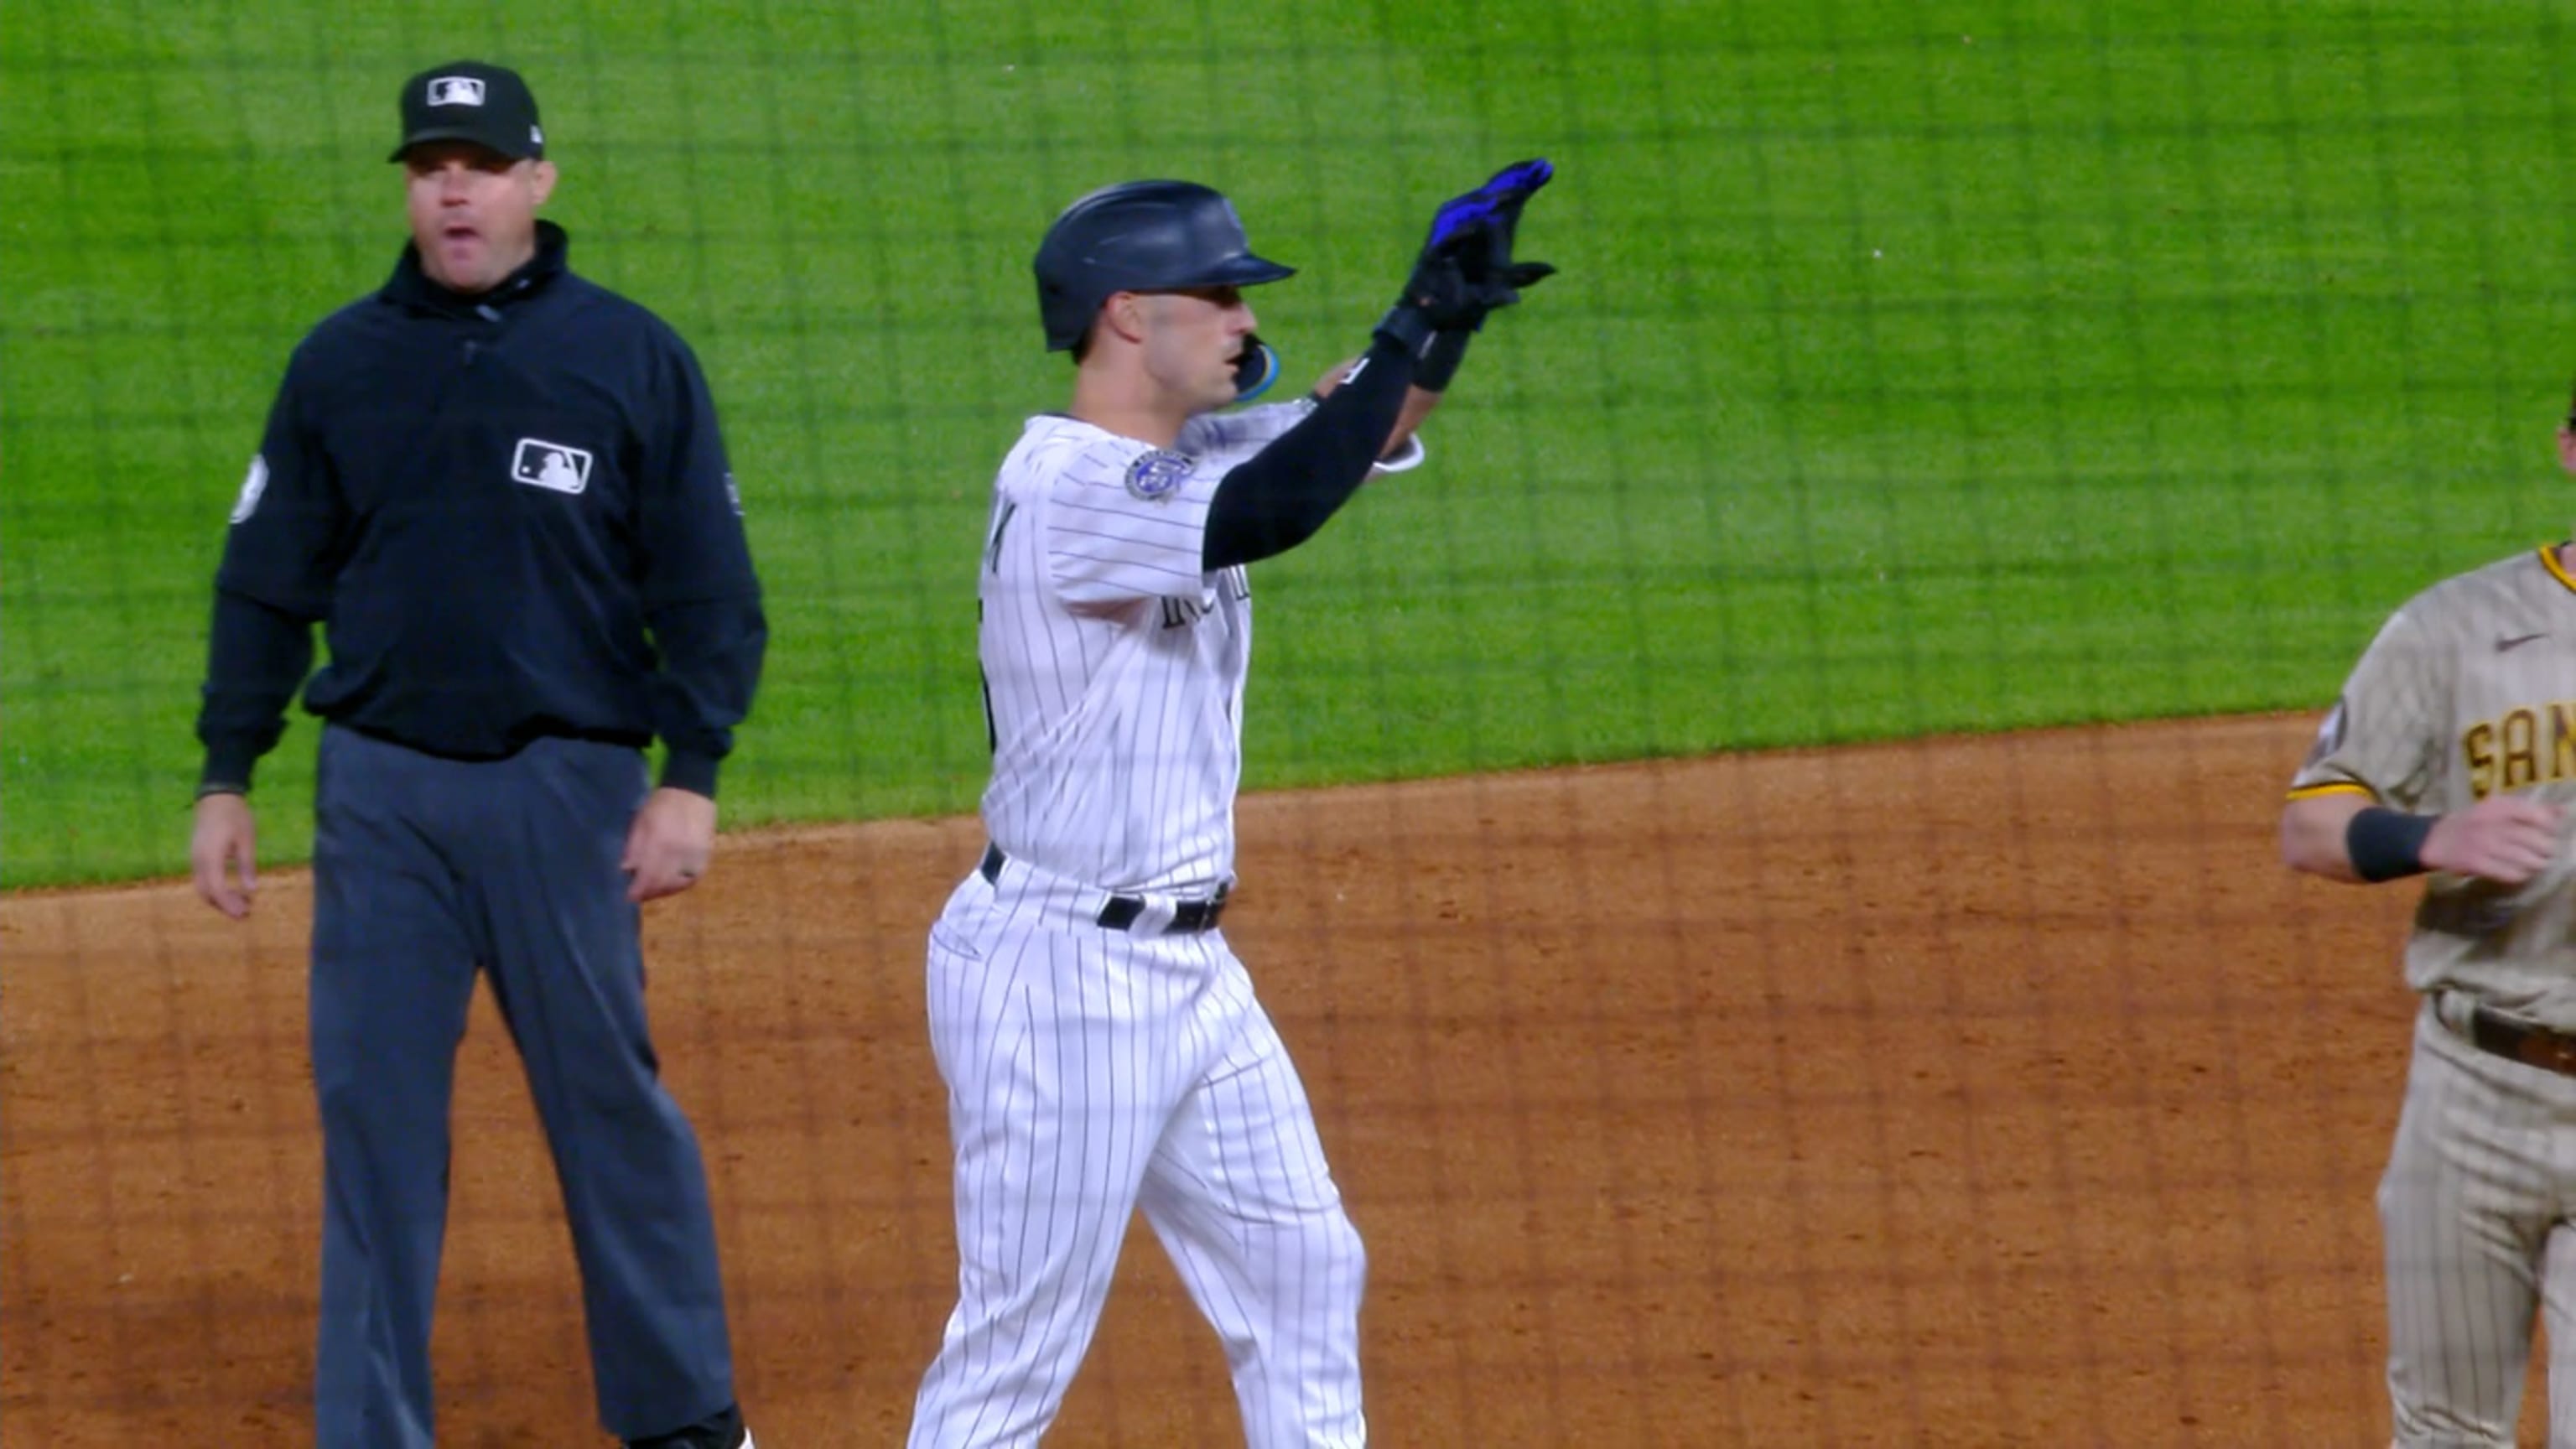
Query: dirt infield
1993	1092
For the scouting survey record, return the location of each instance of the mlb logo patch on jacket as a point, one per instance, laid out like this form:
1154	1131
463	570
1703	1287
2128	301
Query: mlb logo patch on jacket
556	466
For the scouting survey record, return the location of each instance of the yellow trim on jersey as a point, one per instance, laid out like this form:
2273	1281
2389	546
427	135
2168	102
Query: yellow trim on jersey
2339	787
2557	570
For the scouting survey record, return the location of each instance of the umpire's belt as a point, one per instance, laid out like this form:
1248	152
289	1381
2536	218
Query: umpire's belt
1119	912
2517	1040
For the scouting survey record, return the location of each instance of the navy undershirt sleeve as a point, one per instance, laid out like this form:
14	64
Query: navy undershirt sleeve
1278	498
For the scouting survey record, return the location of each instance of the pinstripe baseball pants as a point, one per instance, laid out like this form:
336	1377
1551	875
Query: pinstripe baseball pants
1092	1072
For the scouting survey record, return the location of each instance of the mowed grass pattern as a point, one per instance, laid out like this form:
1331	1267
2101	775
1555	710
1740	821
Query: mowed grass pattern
1913	368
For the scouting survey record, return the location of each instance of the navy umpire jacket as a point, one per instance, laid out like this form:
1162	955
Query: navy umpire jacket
513	516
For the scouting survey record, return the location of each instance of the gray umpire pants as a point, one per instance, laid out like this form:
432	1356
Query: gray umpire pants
425	868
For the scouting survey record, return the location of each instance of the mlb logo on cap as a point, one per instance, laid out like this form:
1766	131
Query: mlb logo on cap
471	100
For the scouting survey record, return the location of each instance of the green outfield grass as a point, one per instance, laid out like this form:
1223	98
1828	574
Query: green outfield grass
1914	367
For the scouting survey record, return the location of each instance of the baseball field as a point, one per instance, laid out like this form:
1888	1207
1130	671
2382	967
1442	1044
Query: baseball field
1762	848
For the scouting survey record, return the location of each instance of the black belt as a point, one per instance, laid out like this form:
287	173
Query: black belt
1121	911
2533	1046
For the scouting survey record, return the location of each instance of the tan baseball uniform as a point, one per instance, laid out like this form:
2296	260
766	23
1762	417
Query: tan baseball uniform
2470	689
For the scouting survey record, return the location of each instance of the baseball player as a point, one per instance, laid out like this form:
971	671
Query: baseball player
1102	1046
502	491
2452	754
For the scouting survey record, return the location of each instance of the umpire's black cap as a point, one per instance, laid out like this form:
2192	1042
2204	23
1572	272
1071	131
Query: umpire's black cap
468	100
1140	236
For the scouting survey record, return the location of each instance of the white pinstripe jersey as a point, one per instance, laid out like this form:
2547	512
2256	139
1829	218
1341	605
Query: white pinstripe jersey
1113	664
2468	690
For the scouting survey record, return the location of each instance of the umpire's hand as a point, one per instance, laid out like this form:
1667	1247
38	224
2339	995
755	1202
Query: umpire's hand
668	845
225	842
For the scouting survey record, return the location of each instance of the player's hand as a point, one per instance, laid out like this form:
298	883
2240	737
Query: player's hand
2507	839
668	845
1466	270
1479	227
223	852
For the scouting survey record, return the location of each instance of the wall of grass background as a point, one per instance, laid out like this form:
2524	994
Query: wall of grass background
1915	367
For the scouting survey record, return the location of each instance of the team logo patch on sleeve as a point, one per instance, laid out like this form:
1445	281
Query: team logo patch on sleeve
556	466
2329	736
1159	474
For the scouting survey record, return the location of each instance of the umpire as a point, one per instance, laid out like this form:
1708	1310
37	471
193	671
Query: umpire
502	492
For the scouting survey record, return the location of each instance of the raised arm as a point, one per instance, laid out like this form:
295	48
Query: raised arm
1287	491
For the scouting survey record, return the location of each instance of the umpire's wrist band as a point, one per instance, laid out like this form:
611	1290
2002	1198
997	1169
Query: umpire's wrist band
2385	844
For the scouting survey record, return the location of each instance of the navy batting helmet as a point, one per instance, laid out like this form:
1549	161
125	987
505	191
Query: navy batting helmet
1140	236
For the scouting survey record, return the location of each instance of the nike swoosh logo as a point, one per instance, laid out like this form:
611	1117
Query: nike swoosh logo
2507	646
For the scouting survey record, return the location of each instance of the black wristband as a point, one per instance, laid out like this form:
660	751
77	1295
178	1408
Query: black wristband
1440	360
2385	844
1405	326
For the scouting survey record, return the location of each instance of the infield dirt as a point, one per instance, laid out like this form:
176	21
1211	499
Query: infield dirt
1960	1092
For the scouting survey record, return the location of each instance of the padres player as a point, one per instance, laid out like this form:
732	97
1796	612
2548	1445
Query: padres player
502	491
2453	752
1102	1046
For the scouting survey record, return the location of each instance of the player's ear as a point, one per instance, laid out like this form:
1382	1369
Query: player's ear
2567	448
1124	314
541	180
